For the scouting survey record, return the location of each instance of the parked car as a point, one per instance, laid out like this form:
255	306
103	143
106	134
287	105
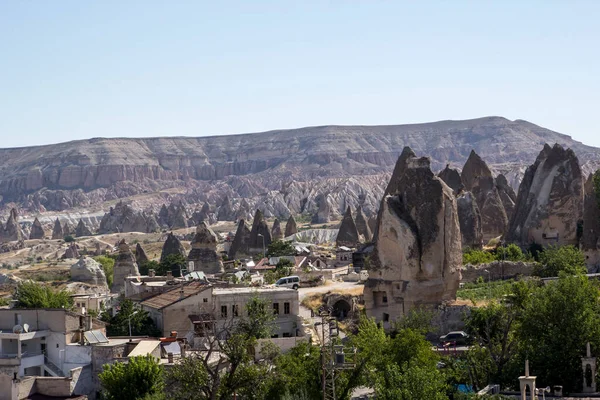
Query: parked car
292	282
456	337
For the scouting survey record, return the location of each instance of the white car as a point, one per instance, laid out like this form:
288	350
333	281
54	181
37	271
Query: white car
292	282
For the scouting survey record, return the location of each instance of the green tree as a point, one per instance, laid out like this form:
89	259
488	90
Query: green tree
555	326
140	377
512	252
173	263
258	322
279	248
145	267
69	239
555	259
130	313
475	257
410	382
108	265
35	295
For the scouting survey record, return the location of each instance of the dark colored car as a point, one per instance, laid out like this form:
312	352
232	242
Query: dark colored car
459	338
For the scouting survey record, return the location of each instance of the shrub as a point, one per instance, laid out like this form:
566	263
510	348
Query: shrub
475	257
555	259
34	295
108	265
512	252
69	239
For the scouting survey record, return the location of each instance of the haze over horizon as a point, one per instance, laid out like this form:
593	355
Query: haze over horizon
142	69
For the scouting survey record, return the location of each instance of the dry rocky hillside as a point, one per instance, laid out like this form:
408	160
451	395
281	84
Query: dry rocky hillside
286	172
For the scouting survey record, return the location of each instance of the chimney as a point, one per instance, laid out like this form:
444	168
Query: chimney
170	358
169	275
18	319
182	345
151	273
88	322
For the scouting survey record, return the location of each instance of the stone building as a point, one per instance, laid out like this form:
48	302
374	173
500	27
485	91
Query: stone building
417	256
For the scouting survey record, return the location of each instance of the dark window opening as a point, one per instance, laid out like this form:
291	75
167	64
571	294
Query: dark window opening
223	311
286	308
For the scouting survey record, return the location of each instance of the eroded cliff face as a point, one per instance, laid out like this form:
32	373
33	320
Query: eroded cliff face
288	162
550	201
417	252
590	240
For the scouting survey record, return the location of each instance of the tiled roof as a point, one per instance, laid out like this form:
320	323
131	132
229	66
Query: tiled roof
173	296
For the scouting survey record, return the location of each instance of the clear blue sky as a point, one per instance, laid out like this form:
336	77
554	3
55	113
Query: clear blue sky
81	69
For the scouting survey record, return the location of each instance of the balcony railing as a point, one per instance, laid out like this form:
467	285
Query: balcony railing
24	354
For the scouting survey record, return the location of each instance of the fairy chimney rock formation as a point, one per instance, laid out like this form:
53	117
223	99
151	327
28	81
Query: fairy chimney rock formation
203	254
507	195
89	271
57	231
239	246
260	235
276	233
347	234
590	241
12	230
37	230
478	179
125	266
452	178
226	212
172	246
362	225
324	212
140	255
417	255
72	251
470	221
550	201
82	229
290	227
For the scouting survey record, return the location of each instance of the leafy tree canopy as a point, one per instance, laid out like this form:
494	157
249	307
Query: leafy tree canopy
141	323
35	295
108	265
279	248
140	377
555	259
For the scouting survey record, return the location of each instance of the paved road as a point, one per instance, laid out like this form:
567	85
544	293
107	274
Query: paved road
303	292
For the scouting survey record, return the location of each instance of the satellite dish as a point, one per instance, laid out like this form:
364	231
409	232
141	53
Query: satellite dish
17	329
25	328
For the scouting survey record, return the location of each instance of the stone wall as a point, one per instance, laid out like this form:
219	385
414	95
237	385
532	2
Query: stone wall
497	270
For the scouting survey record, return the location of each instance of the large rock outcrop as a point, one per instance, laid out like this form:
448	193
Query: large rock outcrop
478	179
362	225
11	231
452	178
204	251
37	230
140	255
72	251
123	218
590	240
417	253
325	212
172	246
276	233
82	229
89	271
239	246
507	195
290	226
470	221
226	212
550	202
125	266
57	231
348	234
260	235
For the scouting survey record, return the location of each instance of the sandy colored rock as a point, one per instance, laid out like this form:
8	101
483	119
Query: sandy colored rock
226	212
417	253
82	229
507	195
478	179
550	201
362	225
72	251
125	266
452	178
276	233
37	230
89	271
12	230
123	218
239	246
204	251
348	234
260	234
57	231
470	221
324	213
290	226
172	246
140	255
590	240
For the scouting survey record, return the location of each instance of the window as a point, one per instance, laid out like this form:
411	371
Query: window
234	310
276	308
223	311
386	317
384	298
286	308
205	300
286	334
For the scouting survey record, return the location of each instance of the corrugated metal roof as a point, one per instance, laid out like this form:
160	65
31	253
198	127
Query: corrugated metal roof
178	293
